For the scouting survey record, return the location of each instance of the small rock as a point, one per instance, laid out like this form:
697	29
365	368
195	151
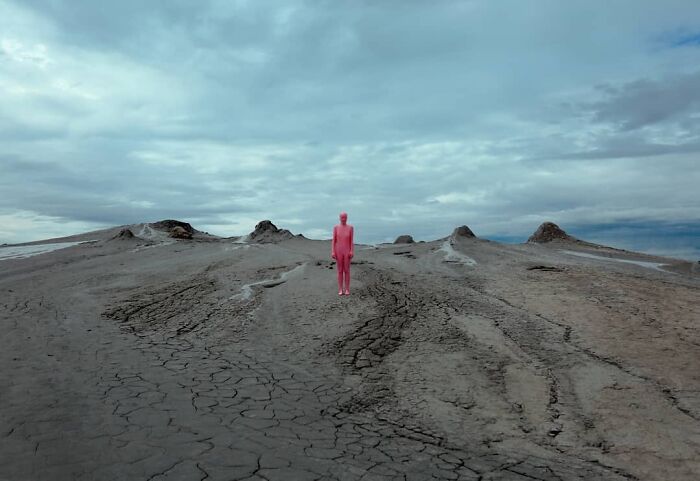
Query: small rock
553	429
178	232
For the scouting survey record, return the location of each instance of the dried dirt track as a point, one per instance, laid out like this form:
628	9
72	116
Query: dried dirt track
205	360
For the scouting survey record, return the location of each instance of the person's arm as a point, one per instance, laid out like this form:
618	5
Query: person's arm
333	244
352	246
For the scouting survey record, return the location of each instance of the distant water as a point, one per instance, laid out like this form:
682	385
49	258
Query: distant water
20	252
649	265
680	240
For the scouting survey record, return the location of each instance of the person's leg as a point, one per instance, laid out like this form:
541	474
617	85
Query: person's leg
346	273
339	264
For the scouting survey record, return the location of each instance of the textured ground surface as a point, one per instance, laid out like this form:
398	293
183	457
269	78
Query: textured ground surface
224	361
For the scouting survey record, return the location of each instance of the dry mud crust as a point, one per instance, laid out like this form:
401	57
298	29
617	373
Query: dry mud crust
290	424
433	370
161	307
409	318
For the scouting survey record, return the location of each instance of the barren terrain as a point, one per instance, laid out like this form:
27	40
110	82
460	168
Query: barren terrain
459	358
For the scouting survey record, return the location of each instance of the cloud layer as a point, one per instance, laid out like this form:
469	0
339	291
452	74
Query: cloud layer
412	117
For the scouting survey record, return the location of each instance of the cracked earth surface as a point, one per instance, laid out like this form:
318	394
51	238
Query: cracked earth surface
151	365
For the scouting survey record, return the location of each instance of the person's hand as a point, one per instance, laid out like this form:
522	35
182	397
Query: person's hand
333	255
351	254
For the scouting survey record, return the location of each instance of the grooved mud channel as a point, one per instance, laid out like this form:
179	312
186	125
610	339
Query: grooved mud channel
207	361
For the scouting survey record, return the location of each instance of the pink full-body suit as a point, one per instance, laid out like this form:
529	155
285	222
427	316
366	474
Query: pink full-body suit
342	250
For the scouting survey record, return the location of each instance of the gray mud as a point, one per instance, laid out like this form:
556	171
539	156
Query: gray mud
196	360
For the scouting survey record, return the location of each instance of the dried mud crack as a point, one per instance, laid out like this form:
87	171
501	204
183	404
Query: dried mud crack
399	310
169	369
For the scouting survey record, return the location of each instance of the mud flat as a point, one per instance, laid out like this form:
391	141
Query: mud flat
226	360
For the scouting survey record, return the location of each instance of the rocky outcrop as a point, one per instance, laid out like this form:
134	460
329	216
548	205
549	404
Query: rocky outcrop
179	232
267	232
547	232
404	239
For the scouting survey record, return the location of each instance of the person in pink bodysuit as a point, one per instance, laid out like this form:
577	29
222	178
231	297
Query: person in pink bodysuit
342	250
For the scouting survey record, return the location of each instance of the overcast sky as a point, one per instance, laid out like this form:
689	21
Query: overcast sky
412	116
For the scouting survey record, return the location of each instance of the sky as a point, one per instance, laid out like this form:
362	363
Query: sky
414	117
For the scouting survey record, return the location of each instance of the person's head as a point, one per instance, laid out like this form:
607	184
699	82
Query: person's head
343	217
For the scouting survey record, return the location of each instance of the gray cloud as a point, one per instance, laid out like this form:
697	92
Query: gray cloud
412	117
646	102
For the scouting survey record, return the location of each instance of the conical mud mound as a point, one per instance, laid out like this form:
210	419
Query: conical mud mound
267	232
547	232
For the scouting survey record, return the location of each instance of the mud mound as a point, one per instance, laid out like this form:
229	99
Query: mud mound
549	231
404	239
463	231
178	232
124	234
267	232
169	224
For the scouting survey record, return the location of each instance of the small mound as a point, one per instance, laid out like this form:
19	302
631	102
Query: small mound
179	232
547	232
124	234
404	239
267	232
169	224
463	231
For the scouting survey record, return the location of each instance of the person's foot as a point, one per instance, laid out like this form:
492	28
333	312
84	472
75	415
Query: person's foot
340	293
347	292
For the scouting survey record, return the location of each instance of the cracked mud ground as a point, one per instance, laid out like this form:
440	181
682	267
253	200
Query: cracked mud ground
196	361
